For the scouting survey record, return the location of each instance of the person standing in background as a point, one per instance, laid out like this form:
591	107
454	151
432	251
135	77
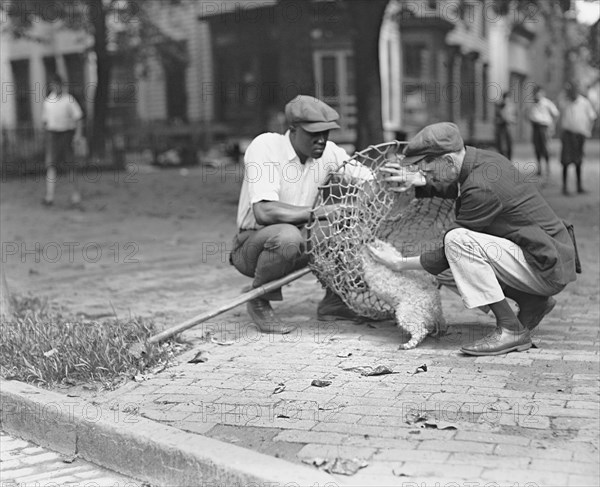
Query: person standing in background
63	122
504	116
542	115
577	116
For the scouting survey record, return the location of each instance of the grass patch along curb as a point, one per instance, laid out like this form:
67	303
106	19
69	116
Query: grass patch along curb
46	347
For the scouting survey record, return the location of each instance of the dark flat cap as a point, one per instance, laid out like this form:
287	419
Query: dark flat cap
433	140
311	114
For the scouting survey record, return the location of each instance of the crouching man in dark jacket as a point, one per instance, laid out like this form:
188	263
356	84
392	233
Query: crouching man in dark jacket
506	241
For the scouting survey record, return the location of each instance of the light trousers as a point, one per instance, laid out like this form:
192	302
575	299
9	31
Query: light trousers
480	264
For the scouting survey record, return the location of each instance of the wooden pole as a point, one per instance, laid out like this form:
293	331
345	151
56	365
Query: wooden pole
243	298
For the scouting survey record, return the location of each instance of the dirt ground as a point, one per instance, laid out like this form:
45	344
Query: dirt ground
154	242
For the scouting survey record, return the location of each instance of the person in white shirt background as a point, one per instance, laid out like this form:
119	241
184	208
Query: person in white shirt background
542	115
63	122
577	116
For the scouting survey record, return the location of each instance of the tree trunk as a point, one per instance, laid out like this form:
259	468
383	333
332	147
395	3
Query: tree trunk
366	17
6	304
103	66
294	71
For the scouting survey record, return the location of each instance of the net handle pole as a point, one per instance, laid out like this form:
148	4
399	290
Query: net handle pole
241	299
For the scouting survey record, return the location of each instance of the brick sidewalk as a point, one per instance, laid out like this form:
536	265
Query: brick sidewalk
530	417
514	419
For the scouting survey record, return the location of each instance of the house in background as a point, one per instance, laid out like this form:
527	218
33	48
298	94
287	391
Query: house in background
457	58
435	56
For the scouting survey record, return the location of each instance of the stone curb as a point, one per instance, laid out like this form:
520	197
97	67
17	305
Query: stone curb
141	448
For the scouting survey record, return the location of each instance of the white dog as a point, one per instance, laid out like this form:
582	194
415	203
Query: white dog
413	295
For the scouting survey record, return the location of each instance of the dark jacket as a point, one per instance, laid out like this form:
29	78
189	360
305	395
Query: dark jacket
494	199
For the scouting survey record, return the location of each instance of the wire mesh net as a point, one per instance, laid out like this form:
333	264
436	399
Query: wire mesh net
365	210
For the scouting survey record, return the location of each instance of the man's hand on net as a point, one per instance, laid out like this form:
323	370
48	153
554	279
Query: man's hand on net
402	178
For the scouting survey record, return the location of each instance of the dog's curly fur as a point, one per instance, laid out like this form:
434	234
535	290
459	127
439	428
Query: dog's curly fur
413	295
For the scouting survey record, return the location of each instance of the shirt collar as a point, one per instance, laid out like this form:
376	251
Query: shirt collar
289	149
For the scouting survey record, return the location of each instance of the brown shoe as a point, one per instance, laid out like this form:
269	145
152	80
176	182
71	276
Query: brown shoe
500	341
332	308
531	316
265	319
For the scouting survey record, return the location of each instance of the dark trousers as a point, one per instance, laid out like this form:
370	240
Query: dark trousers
504	140
540	142
269	253
572	153
59	148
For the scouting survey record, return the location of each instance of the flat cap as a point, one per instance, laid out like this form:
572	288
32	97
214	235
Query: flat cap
311	114
433	140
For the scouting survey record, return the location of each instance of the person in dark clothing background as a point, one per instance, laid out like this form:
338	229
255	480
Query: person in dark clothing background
506	241
504	116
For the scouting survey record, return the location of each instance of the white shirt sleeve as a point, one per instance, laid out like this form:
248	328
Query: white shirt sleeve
261	172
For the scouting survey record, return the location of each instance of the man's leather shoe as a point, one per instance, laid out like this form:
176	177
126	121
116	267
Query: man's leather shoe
530	317
501	340
265	319
332	308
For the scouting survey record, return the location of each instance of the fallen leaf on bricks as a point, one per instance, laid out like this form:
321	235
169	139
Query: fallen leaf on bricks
415	417
280	388
345	467
370	371
332	407
317	462
320	383
199	358
381	370
340	466
440	425
69	459
421	368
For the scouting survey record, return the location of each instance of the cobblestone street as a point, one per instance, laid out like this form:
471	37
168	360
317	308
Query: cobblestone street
522	419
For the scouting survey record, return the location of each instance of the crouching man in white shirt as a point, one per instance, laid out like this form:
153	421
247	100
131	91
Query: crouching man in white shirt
281	181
